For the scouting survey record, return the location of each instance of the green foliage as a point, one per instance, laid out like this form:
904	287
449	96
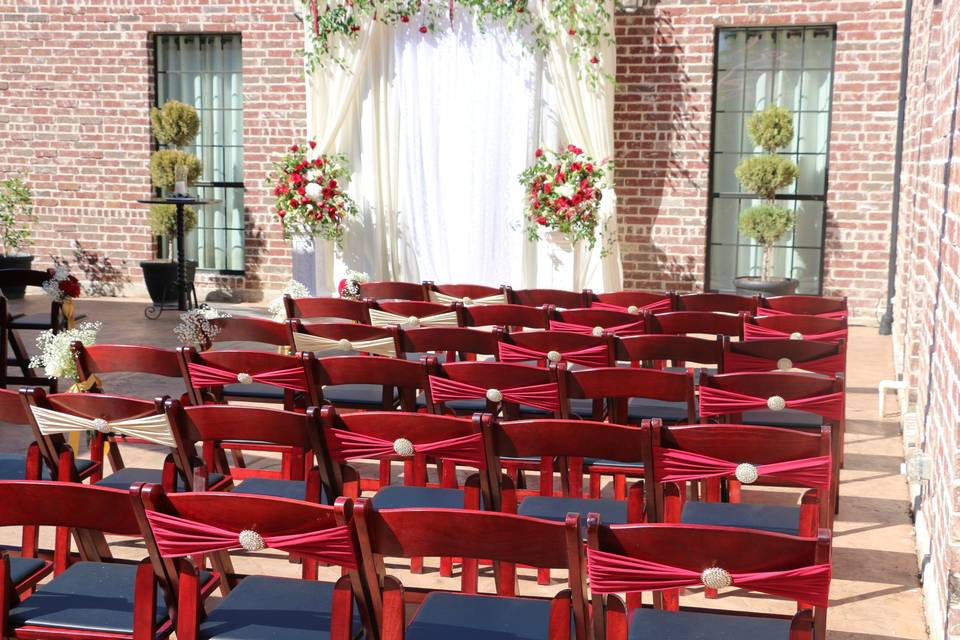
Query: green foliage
771	128
766	174
175	123
765	223
163	163
163	220
16	208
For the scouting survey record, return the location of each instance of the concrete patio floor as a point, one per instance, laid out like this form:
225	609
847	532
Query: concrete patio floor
875	593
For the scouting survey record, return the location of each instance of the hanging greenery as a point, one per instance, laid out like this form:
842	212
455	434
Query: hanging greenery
586	23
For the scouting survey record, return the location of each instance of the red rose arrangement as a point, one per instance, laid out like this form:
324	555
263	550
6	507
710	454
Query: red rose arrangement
63	288
310	196
563	193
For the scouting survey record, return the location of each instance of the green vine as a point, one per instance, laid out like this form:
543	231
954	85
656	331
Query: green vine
584	20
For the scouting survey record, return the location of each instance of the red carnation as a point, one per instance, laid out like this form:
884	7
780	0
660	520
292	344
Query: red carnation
594	60
313	144
560	177
572	32
281	213
294	148
317	162
538	153
547	187
342	287
294	203
423	29
354	28
542	220
404	18
589	167
302	191
332	184
70	287
296	177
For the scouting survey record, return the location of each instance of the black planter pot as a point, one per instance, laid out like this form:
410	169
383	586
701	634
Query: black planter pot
160	276
15	261
751	286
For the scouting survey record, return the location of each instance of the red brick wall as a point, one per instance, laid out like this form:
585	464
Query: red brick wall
75	92
663	108
927	334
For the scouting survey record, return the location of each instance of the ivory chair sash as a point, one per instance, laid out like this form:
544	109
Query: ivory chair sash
320	345
154	428
443	298
379	318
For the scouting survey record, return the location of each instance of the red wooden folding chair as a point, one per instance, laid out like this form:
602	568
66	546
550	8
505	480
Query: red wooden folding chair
326	309
795	328
664	557
541	348
97	596
686	322
411	314
632	301
548	297
161	365
509	316
802	305
503	538
594	321
392	290
256	606
256	376
364	382
19	466
672	353
325	339
718	302
250	332
466	294
448	344
779	354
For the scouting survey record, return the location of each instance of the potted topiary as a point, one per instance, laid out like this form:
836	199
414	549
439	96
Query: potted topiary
16	212
172	170
765	175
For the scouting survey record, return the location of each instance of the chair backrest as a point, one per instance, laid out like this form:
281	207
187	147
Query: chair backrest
176	524
124	358
467	294
780	354
656	557
392	290
333	308
397	435
456	342
390	373
795	328
504	386
507	316
49	430
676	349
544	347
617	385
12	409
803	305
413	313
728	395
596	321
721	302
258	330
553	297
341	339
206	372
633	301
483	535
686	322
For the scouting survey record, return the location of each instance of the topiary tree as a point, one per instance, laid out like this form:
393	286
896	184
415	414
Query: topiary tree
770	129
175	124
163	222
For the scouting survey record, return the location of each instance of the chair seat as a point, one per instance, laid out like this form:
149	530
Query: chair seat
294	489
356	394
694	625
645	408
127	476
763	517
23	568
263	607
37	321
785	418
697	372
13	466
93	596
458	406
581	408
401	497
255	390
444	616
556	508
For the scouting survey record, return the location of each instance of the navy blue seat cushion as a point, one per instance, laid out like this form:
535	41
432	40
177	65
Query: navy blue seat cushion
697	371
263	607
23	568
763	517
444	616
640	408
458	406
349	394
581	408
294	489
694	625
557	508
255	390
589	462
13	466
127	476
94	596
415	356
785	418
401	497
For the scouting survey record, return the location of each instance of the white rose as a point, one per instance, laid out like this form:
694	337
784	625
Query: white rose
314	191
565	190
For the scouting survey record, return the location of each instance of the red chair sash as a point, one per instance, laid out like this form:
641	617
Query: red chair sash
204	376
738	362
179	537
541	396
613	573
591	357
716	402
660	305
756	332
674	465
833	315
628	329
349	445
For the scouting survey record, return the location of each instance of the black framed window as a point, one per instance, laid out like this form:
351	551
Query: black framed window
754	68
205	70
